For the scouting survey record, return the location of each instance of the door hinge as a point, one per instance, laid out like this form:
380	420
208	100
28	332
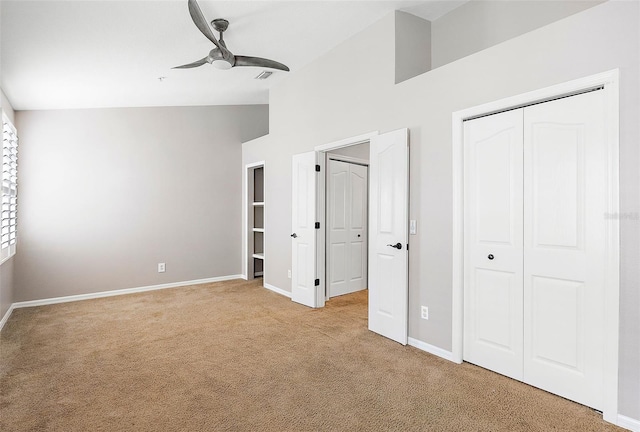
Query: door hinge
317	225
317	168
316	282
407	246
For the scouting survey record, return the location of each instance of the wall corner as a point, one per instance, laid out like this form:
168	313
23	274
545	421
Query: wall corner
412	46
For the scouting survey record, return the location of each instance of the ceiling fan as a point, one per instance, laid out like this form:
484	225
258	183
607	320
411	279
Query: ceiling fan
220	57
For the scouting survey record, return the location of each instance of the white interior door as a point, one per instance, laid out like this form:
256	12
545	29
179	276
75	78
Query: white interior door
535	245
303	237
493	243
388	235
564	246
347	227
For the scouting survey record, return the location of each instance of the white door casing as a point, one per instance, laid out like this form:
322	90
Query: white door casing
346	227
565	176
388	214
493	244
303	237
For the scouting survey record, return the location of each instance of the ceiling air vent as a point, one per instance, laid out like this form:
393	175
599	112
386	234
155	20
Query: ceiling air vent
264	75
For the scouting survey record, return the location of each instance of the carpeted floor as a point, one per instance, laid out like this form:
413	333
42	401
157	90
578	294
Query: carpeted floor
233	356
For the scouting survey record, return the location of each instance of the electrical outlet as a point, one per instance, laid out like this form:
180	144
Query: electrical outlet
161	268
289	274
424	312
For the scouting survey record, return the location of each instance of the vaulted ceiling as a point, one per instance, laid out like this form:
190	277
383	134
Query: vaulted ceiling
85	54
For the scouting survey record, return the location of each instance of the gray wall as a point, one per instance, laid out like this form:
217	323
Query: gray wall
106	194
413	46
323	103
360	151
480	24
6	269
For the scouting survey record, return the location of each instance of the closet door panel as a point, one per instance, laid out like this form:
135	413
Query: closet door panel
493	243
564	248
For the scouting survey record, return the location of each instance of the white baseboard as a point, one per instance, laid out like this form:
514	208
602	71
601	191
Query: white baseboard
628	423
102	294
431	349
275	289
6	316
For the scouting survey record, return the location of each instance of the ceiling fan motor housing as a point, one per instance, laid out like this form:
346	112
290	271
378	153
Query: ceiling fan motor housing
220	24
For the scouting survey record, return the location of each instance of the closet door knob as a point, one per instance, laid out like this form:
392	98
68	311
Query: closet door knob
490	256
294	235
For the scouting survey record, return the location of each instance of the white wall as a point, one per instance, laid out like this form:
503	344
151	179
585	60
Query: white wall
6	107
323	103
480	24
106	194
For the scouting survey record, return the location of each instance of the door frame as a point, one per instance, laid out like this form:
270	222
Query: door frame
321	241
609	82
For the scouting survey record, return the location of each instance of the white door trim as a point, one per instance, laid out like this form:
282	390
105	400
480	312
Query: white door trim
346	142
321	243
610	82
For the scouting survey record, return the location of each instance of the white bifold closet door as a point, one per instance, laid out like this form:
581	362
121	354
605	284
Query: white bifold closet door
347	227
494	243
535	226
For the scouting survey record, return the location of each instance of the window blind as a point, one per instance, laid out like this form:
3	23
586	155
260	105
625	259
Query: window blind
9	207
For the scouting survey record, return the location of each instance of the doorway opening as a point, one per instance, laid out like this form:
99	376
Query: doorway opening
387	234
347	214
255	229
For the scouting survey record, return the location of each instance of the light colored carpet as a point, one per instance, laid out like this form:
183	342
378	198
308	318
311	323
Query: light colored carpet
233	356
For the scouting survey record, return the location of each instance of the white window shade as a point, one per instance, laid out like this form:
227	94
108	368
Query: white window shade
9	204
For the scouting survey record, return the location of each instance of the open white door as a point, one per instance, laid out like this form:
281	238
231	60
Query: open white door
388	254
303	237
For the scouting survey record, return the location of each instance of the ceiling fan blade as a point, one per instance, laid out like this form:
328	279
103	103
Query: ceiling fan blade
201	22
194	64
259	62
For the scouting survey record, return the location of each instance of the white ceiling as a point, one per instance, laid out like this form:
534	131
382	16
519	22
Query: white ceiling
86	54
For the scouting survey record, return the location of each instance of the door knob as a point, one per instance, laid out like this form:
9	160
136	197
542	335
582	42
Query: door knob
490	256
397	245
358	235
294	235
